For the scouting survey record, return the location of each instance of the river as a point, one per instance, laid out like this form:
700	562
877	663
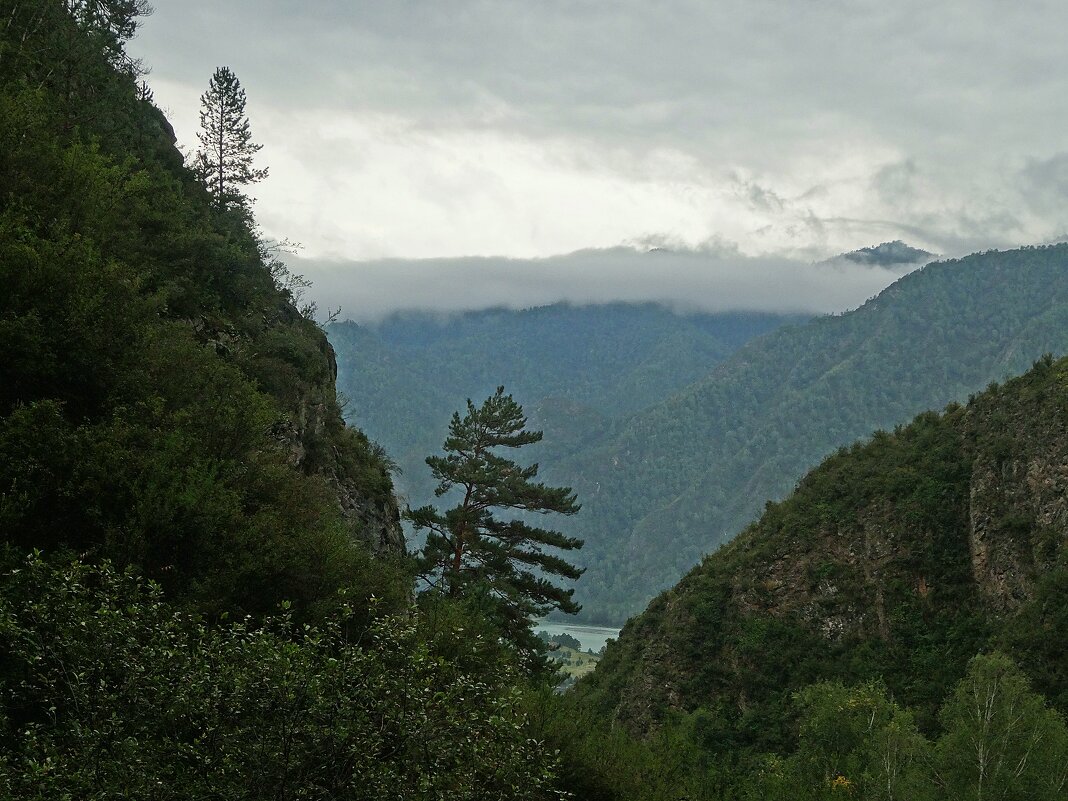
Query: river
592	637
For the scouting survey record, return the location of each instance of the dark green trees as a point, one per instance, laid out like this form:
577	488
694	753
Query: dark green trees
1001	740
108	24
224	161
128	430
108	691
470	552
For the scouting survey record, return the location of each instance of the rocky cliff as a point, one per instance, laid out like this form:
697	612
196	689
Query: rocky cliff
302	376
900	557
366	500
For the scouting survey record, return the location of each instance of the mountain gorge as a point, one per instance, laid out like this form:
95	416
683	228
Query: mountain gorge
664	481
673	482
575	368
205	589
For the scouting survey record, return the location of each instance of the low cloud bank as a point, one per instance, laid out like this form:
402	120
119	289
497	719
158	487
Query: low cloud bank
709	281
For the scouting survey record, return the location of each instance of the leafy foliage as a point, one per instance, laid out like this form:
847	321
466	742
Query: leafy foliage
1001	740
106	691
563	638
998	740
852	742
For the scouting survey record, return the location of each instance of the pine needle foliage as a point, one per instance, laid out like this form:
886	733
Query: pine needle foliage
471	552
224	161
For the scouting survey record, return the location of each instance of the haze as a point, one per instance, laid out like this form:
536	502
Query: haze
768	130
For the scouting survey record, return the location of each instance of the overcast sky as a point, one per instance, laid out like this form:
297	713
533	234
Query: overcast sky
768	129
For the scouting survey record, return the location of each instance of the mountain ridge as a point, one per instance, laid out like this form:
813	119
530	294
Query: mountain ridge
897	558
672	482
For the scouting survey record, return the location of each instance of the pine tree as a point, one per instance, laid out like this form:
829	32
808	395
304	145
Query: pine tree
470	552
109	24
224	161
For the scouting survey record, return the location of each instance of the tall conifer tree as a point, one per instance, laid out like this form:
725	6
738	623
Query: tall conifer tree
224	161
470	551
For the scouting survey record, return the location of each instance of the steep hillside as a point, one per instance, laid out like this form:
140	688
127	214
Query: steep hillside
674	481
572	367
163	403
201	585
898	558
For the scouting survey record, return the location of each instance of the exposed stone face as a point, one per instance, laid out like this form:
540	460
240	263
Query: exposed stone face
378	523
654	687
1011	503
837	588
375	518
313	432
958	526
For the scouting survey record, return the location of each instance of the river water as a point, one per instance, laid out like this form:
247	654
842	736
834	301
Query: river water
592	637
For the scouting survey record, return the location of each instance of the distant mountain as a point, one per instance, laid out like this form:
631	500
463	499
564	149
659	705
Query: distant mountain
897	559
671	483
574	369
888	254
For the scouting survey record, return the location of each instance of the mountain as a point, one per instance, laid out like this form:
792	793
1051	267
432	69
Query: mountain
203	589
888	254
164	405
574	368
897	559
671	483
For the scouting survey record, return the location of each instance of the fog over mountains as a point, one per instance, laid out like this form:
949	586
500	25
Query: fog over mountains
709	279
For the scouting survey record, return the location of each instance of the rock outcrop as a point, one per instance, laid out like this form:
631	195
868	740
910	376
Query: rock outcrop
910	552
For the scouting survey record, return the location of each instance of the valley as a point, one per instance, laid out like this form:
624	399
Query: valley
665	481
621	491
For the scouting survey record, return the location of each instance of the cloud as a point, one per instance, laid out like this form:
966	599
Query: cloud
1046	182
415	129
713	278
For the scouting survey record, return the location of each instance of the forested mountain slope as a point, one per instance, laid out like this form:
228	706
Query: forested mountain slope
572	367
163	404
202	584
674	481
897	559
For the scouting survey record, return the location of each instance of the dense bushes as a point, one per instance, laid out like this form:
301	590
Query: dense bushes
996	739
107	691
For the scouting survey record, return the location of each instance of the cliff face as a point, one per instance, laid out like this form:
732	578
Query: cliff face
1018	508
367	502
293	361
901	558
